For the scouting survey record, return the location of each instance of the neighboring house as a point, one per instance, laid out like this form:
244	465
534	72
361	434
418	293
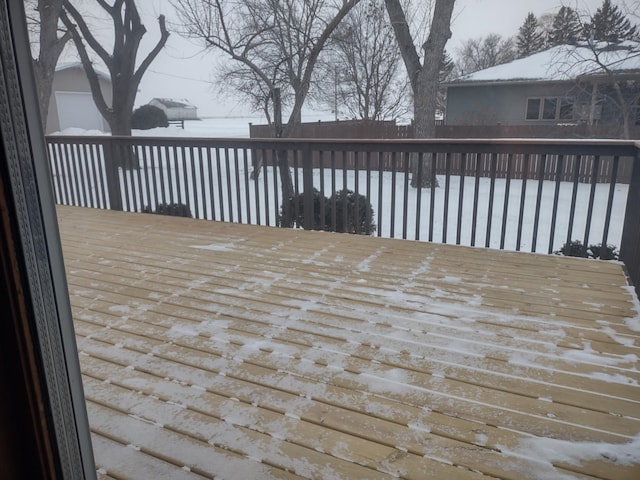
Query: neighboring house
176	109
563	86
71	103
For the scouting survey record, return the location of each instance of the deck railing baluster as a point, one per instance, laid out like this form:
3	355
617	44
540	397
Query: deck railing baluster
432	204
612	189
195	194
227	168
595	171
556	195
369	219
476	192
507	192
574	195
345	187
334	215
523	198
463	166
392	213
380	190
323	213
148	171
542	165
420	170
236	166
245	159
220	189
492	188
447	189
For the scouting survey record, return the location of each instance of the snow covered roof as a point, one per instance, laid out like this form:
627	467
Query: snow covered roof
171	103
68	65
561	63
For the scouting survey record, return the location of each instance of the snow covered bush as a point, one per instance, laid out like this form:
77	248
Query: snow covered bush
296	209
359	214
173	209
147	117
575	248
606	252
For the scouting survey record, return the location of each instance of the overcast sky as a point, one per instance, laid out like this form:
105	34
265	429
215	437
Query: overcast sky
181	72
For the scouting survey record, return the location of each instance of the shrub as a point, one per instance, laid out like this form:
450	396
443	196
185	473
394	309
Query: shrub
608	252
363	224
173	209
148	116
359	214
575	248
296	211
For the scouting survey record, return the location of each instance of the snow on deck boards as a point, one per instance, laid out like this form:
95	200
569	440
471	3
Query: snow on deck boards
231	351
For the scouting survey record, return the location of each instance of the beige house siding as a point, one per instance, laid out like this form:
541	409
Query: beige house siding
72	79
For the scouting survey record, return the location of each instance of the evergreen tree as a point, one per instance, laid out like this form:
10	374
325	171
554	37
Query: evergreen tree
530	40
609	24
566	28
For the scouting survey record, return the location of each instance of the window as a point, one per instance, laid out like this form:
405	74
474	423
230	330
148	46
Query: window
550	108
533	109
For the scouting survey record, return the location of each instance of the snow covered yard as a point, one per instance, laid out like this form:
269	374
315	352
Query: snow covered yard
216	349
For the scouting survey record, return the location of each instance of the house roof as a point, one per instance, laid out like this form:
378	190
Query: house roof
561	63
69	65
171	103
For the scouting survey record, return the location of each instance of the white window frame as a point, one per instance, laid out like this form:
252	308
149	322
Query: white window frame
35	218
558	108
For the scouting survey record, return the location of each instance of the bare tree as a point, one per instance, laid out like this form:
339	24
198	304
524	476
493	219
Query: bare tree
121	61
43	18
276	45
600	74
605	69
423	71
484	52
361	76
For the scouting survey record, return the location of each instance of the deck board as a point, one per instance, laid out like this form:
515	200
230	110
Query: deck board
213	349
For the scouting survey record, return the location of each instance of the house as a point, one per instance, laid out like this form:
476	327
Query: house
71	103
570	86
176	109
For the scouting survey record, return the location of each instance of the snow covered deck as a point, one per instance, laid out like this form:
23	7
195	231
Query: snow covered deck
243	352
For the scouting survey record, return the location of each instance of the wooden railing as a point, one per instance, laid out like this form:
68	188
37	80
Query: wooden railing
520	195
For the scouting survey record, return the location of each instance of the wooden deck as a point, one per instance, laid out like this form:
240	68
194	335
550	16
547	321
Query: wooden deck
240	352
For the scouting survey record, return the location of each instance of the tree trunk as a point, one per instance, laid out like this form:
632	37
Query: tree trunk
424	112
50	48
624	110
424	75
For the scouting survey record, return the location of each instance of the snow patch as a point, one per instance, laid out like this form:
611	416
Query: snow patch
544	452
216	247
633	323
589	355
182	331
617	378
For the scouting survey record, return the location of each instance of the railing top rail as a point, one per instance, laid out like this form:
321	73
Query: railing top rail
470	145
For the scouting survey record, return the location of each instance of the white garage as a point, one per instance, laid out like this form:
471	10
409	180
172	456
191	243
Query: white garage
71	103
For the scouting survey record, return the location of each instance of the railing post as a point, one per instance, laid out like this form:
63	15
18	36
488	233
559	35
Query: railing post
307	183
112	177
630	244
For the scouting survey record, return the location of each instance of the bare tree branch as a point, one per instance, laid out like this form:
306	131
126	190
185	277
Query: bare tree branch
121	62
